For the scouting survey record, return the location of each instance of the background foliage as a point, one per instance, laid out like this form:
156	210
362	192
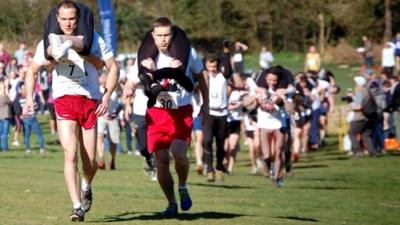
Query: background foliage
281	25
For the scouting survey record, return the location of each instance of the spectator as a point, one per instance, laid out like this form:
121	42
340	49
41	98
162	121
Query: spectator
368	53
5	117
313	60
265	58
4	55
237	57
360	124
397	51
20	53
388	58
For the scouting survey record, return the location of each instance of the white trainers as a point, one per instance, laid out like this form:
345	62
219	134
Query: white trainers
42	151
61	50
28	151
55	40
15	143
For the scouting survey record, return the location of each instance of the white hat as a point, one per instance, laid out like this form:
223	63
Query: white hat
360	80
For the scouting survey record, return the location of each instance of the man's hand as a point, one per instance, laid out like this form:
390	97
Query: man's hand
175	63
102	106
28	109
128	111
127	91
149	64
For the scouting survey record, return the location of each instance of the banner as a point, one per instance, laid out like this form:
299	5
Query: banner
107	24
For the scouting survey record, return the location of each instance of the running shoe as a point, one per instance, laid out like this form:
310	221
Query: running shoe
77	215
272	170
149	166
219	175
186	201
28	151
112	164
101	165
59	51
87	199
199	169
278	183
210	177
171	211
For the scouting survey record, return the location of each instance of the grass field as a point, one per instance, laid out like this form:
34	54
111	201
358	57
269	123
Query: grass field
327	187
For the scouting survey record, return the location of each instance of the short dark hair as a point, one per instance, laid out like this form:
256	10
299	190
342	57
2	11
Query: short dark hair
68	4
162	22
211	58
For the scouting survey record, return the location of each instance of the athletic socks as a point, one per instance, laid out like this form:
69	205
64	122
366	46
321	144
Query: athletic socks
85	185
77	205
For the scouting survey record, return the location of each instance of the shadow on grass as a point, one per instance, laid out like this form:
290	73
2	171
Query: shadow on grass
225	186
328	188
297	218
310	166
130	216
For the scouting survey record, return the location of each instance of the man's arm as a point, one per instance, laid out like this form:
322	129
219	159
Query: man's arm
30	87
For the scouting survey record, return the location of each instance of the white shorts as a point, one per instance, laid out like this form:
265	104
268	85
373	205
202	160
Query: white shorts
110	127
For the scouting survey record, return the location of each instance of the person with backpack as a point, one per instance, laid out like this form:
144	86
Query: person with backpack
364	108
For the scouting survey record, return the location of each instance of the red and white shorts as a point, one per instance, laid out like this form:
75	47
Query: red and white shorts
165	125
77	108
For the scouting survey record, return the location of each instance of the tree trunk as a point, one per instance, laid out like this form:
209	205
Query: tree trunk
388	21
321	41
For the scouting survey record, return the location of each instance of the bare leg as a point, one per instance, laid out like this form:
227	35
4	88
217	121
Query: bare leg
69	139
164	176
232	150
199	146
88	153
179	149
100	146
304	138
252	155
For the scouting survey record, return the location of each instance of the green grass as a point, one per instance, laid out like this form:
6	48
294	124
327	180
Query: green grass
327	188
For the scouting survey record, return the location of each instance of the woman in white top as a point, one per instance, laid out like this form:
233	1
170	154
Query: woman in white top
272	99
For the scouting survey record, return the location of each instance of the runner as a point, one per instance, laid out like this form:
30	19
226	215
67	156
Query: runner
78	103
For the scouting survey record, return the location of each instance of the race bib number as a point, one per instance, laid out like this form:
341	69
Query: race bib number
167	100
74	73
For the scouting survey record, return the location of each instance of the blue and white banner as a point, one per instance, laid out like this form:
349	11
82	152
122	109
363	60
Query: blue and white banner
107	24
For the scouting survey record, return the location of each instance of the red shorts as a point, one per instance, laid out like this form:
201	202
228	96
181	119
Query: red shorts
77	108
165	125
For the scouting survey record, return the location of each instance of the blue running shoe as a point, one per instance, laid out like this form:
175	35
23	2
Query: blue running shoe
171	211
186	201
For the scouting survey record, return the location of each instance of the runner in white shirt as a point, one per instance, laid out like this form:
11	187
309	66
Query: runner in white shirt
78	104
215	118
169	122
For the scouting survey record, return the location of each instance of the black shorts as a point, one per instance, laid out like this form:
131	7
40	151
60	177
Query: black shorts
234	127
249	134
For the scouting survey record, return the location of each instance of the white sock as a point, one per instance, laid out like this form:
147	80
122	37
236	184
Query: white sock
77	205
85	185
199	162
182	186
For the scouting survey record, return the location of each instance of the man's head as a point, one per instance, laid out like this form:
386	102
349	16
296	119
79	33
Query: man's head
212	64
312	49
360	81
22	46
67	16
162	33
